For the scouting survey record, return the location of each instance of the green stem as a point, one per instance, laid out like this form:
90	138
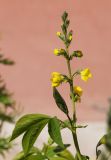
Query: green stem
2	121
74	134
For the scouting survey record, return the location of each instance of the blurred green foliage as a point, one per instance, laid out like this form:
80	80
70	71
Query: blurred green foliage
105	152
7	109
49	151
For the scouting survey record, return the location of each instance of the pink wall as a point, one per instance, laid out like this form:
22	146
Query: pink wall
28	29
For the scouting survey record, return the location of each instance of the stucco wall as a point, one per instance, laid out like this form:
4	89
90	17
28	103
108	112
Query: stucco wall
28	29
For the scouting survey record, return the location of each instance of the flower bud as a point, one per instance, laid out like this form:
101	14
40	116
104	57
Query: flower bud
58	34
78	54
78	90
77	93
70	35
59	52
70	38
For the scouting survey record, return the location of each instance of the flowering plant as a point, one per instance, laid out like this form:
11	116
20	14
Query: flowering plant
31	125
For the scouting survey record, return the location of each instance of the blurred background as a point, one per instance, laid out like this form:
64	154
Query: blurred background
28	36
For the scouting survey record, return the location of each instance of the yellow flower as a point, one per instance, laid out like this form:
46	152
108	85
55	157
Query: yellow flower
57	52
85	74
58	34
70	37
78	90
56	79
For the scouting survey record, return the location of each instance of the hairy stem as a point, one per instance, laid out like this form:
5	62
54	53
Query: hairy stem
73	124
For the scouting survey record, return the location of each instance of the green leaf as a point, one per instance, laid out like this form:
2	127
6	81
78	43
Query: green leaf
57	158
7	118
59	149
6	61
64	16
101	141
49	151
64	29
5	146
105	140
54	131
6	100
66	154
60	101
24	123
5	96
36	157
21	156
31	135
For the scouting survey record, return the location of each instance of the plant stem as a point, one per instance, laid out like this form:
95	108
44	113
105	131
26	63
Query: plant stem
74	134
2	121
